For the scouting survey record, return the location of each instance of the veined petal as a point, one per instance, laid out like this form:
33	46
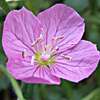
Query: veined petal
21	69
42	75
85	58
61	20
21	29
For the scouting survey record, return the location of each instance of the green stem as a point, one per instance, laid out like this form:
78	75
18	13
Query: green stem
5	6
14	83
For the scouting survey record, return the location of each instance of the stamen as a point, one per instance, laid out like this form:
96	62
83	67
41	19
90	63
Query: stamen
71	43
32	60
53	41
61	37
41	36
57	48
54	51
42	31
23	53
35	42
42	47
66	57
67	45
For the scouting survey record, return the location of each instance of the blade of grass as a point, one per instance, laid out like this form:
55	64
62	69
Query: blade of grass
94	95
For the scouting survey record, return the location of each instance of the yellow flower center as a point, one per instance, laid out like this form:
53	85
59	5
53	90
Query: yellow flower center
42	63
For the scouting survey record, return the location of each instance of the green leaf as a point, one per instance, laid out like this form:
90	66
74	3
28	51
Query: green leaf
78	5
4	81
2	58
93	6
14	0
36	5
83	89
5	6
94	95
98	74
92	19
32	5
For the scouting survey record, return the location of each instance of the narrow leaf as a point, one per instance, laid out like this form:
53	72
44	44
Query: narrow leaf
93	95
5	6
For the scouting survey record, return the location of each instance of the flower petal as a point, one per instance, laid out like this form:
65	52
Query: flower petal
85	58
20	68
61	20
21	29
42	75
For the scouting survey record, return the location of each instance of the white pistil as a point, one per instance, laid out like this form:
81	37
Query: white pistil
66	57
23	53
32	60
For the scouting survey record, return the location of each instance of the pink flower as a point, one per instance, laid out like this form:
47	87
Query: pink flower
48	47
